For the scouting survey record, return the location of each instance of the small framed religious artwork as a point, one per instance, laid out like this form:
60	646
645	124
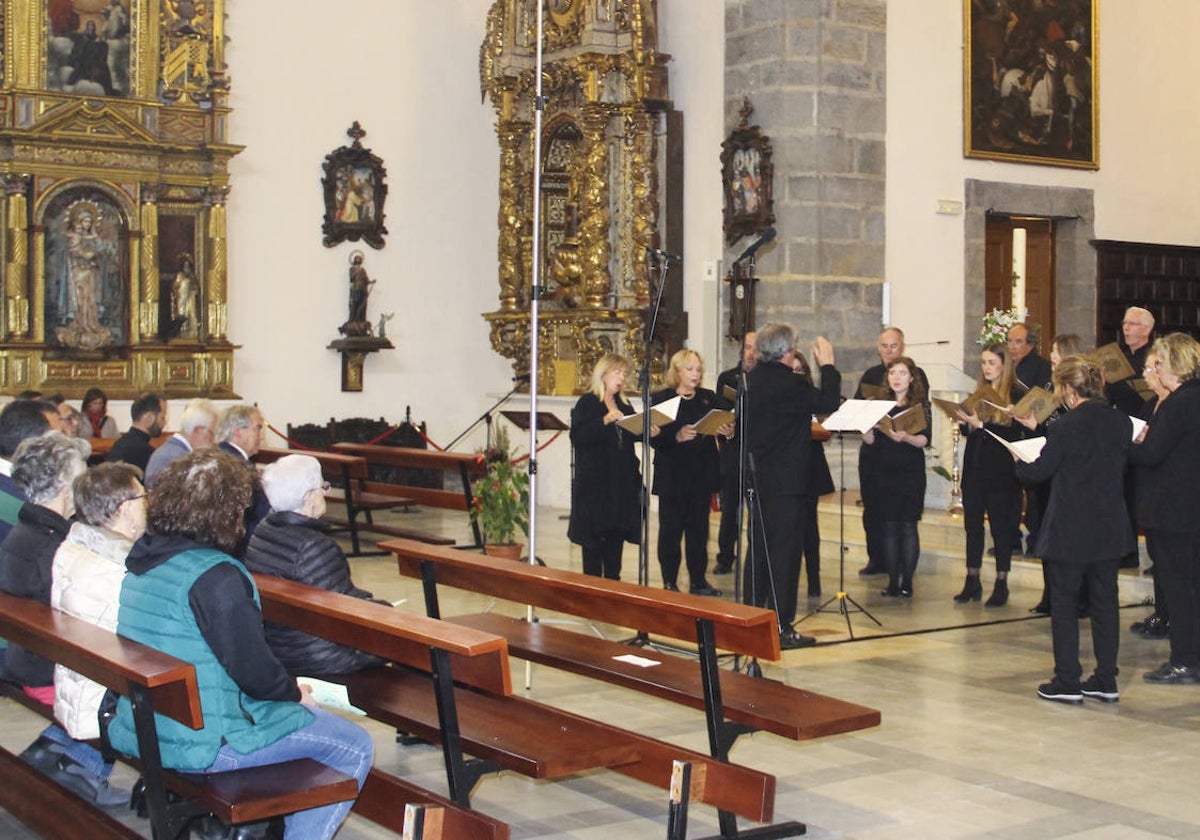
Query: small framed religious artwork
747	174
88	47
355	187
1030	82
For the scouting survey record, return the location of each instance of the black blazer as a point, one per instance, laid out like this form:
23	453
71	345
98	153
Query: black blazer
1084	459
607	487
690	468
779	408
1170	454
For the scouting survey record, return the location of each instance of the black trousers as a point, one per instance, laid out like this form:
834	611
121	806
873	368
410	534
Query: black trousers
871	522
727	532
1065	580
1161	608
902	550
683	515
811	544
602	556
1003	508
782	519
1177	567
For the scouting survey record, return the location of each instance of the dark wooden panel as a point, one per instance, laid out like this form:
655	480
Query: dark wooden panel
1162	278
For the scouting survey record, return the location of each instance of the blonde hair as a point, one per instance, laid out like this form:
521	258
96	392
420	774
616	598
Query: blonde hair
606	363
1179	354
675	368
1082	374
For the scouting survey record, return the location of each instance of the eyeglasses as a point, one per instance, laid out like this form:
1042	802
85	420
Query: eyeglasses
1153	366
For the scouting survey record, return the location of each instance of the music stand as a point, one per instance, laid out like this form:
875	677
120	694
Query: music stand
853	416
546	421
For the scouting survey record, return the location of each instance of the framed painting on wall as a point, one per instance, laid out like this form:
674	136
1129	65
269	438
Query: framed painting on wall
355	189
88	47
1030	82
747	177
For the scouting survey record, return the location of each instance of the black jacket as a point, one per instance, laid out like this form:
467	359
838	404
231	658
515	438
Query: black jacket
26	558
607	487
691	468
295	547
1084	459
1170	456
779	406
133	447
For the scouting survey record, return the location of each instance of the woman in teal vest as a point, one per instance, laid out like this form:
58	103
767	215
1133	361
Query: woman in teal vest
185	595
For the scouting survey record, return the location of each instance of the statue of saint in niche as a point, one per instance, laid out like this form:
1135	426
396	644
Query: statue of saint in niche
360	291
89	264
184	292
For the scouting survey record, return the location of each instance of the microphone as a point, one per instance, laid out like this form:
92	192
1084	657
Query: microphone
765	237
521	377
658	254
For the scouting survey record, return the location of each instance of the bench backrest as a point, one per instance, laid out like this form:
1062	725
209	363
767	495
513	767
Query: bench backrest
103	656
737	627
335	466
477	659
467	467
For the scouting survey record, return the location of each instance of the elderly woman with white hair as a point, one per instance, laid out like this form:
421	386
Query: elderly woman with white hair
293	543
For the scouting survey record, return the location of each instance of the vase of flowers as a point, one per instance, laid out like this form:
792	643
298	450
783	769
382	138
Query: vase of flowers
500	502
996	324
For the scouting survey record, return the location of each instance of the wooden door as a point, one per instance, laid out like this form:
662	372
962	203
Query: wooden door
1039	270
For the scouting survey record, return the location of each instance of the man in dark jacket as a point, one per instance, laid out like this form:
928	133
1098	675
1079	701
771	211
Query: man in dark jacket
292	543
149	413
779	410
731	485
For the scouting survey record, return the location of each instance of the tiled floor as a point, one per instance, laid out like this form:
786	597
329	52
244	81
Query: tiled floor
966	750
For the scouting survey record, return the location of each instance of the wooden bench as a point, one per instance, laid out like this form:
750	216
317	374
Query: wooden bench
156	684
502	731
348	475
465	467
733	703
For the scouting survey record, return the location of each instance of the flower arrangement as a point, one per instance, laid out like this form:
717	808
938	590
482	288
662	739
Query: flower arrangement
996	324
500	503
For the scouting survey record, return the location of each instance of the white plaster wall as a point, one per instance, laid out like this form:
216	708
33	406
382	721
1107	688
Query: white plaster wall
1145	188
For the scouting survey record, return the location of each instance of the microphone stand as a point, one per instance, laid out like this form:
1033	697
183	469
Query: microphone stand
486	417
663	265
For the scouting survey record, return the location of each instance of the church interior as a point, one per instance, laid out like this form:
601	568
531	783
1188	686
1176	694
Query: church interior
251	168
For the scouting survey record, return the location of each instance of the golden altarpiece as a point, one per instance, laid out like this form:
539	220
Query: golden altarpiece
114	161
611	184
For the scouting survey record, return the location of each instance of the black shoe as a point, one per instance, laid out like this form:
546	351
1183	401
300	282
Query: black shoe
1059	693
704	589
893	591
999	596
81	781
1156	627
722	568
869	570
1168	674
1103	690
791	640
1042	607
906	590
670	587
972	590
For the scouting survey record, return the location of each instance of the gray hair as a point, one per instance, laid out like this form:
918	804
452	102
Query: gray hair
46	465
197	414
773	341
288	481
100	491
235	417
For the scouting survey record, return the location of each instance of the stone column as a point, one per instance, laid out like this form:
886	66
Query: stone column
814	71
16	269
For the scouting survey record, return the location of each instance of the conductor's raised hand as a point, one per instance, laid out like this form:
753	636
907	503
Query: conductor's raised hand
822	351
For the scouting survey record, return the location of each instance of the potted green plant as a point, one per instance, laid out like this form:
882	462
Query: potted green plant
500	504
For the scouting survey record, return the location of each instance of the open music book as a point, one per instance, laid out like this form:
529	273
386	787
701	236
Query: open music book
1112	363
980	402
1027	450
714	420
857	415
911	420
1038	401
660	415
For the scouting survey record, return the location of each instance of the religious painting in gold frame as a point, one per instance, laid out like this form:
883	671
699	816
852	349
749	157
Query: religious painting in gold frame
1031	83
747	178
88	47
355	188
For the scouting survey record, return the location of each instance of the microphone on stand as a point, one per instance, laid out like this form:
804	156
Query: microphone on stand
658	254
522	377
765	237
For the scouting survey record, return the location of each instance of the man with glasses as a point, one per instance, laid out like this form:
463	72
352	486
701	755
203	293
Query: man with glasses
197	429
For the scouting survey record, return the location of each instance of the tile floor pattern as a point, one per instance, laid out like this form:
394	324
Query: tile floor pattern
966	750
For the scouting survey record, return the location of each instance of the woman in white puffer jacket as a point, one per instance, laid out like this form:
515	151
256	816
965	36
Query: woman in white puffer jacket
110	511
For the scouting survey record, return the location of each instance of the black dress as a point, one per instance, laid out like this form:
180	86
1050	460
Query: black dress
604	495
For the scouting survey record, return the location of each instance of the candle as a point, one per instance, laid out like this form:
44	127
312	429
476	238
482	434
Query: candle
1018	268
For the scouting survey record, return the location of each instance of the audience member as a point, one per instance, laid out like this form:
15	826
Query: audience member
186	596
293	543
197	429
19	421
240	432
149	413
95	413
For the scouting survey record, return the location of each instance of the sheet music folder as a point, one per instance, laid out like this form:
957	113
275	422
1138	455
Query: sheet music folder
857	415
546	421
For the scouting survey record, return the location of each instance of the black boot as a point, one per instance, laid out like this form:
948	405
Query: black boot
999	594
972	590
